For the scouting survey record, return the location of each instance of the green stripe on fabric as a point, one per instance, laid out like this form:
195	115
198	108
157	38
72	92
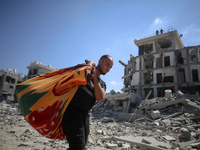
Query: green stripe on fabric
20	88
79	72
28	100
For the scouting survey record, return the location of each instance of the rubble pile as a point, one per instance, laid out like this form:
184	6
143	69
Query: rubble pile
170	122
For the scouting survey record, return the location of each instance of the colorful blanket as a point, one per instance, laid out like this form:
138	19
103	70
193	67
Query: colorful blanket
44	99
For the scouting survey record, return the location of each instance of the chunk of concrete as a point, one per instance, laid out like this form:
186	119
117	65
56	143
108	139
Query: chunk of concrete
155	114
13	111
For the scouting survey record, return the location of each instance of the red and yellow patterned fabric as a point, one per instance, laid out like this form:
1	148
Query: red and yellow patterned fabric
44	99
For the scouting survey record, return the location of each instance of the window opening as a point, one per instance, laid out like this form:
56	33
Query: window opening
168	79
195	75
179	57
159	78
167	61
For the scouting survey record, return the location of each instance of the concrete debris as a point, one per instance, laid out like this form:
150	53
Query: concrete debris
169	122
144	143
163	102
155	114
13	111
195	145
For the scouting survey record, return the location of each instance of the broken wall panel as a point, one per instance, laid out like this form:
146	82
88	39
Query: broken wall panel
148	48
193	55
137	63
135	79
164	43
148	61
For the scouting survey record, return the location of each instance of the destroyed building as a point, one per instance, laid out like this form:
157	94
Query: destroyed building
37	68
8	80
160	95
163	63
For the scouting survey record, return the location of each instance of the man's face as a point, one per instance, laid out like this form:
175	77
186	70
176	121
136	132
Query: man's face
105	65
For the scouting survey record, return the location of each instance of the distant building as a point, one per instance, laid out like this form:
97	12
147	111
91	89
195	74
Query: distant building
10	78
8	81
37	68
163	63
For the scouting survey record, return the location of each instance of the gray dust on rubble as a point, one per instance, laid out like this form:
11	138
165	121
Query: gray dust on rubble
159	123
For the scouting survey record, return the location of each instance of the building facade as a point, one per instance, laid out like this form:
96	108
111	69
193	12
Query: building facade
163	63
37	68
8	81
10	78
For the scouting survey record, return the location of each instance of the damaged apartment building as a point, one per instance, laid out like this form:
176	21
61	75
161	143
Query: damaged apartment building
37	68
163	63
10	78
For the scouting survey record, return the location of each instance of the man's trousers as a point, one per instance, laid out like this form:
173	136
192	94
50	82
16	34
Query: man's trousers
75	125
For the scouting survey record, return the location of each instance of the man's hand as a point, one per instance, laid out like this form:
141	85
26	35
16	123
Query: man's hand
98	90
90	62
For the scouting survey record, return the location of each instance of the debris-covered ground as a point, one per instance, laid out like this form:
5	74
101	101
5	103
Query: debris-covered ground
170	122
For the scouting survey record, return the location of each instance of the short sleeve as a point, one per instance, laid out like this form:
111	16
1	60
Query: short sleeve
103	84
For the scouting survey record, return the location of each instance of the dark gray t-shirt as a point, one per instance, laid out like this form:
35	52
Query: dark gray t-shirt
84	97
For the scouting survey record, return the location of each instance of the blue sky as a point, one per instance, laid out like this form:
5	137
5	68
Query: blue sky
63	33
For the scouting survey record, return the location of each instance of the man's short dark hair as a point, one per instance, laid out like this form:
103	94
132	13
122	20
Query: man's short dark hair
105	56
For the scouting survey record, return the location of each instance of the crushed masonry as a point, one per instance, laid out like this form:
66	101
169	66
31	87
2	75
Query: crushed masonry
172	125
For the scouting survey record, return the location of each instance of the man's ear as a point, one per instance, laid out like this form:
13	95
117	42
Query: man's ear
100	61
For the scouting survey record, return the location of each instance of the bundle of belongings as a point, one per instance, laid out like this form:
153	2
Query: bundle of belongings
44	99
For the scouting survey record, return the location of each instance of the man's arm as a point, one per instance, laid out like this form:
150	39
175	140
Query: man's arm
98	90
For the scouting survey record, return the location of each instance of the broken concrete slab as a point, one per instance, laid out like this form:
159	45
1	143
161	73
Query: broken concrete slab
195	145
185	144
130	117
193	104
169	138
157	104
138	141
